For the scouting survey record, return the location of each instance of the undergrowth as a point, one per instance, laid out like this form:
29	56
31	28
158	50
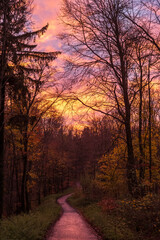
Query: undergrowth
110	226
32	226
121	219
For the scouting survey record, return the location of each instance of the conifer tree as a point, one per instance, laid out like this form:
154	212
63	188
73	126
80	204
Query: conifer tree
16	47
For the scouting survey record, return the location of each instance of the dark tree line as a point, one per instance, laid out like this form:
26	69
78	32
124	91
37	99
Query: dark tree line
57	157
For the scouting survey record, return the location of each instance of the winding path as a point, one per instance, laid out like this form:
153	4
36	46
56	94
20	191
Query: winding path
71	226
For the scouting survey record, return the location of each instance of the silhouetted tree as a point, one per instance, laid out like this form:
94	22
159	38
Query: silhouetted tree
16	46
101	40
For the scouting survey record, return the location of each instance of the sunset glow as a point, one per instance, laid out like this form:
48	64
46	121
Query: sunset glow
47	12
79	119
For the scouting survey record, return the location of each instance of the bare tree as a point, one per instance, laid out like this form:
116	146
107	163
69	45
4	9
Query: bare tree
100	40
145	16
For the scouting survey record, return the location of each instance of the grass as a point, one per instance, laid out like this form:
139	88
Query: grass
32	226
110	225
121	219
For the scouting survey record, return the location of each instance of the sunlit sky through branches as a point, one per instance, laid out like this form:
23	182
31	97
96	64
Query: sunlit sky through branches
48	12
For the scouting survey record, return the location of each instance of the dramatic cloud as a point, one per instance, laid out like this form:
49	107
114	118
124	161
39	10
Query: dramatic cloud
47	12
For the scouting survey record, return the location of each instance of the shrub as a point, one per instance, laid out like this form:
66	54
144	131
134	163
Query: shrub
108	205
92	190
143	215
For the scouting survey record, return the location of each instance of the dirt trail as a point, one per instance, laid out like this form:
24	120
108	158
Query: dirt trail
71	226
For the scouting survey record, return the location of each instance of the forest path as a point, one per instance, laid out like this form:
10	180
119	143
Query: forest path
71	226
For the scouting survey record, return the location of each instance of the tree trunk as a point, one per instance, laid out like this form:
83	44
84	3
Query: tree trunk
131	171
2	98
2	106
24	176
28	207
150	127
142	155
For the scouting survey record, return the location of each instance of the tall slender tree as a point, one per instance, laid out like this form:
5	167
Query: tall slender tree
16	46
101	40
103	36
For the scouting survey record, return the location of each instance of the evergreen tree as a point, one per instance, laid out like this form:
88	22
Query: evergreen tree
16	48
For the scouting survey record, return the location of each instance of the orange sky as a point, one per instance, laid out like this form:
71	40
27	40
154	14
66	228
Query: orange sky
47	12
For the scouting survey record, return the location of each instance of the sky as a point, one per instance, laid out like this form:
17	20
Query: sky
47	12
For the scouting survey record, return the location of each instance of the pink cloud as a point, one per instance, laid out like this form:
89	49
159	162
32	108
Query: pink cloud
47	12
